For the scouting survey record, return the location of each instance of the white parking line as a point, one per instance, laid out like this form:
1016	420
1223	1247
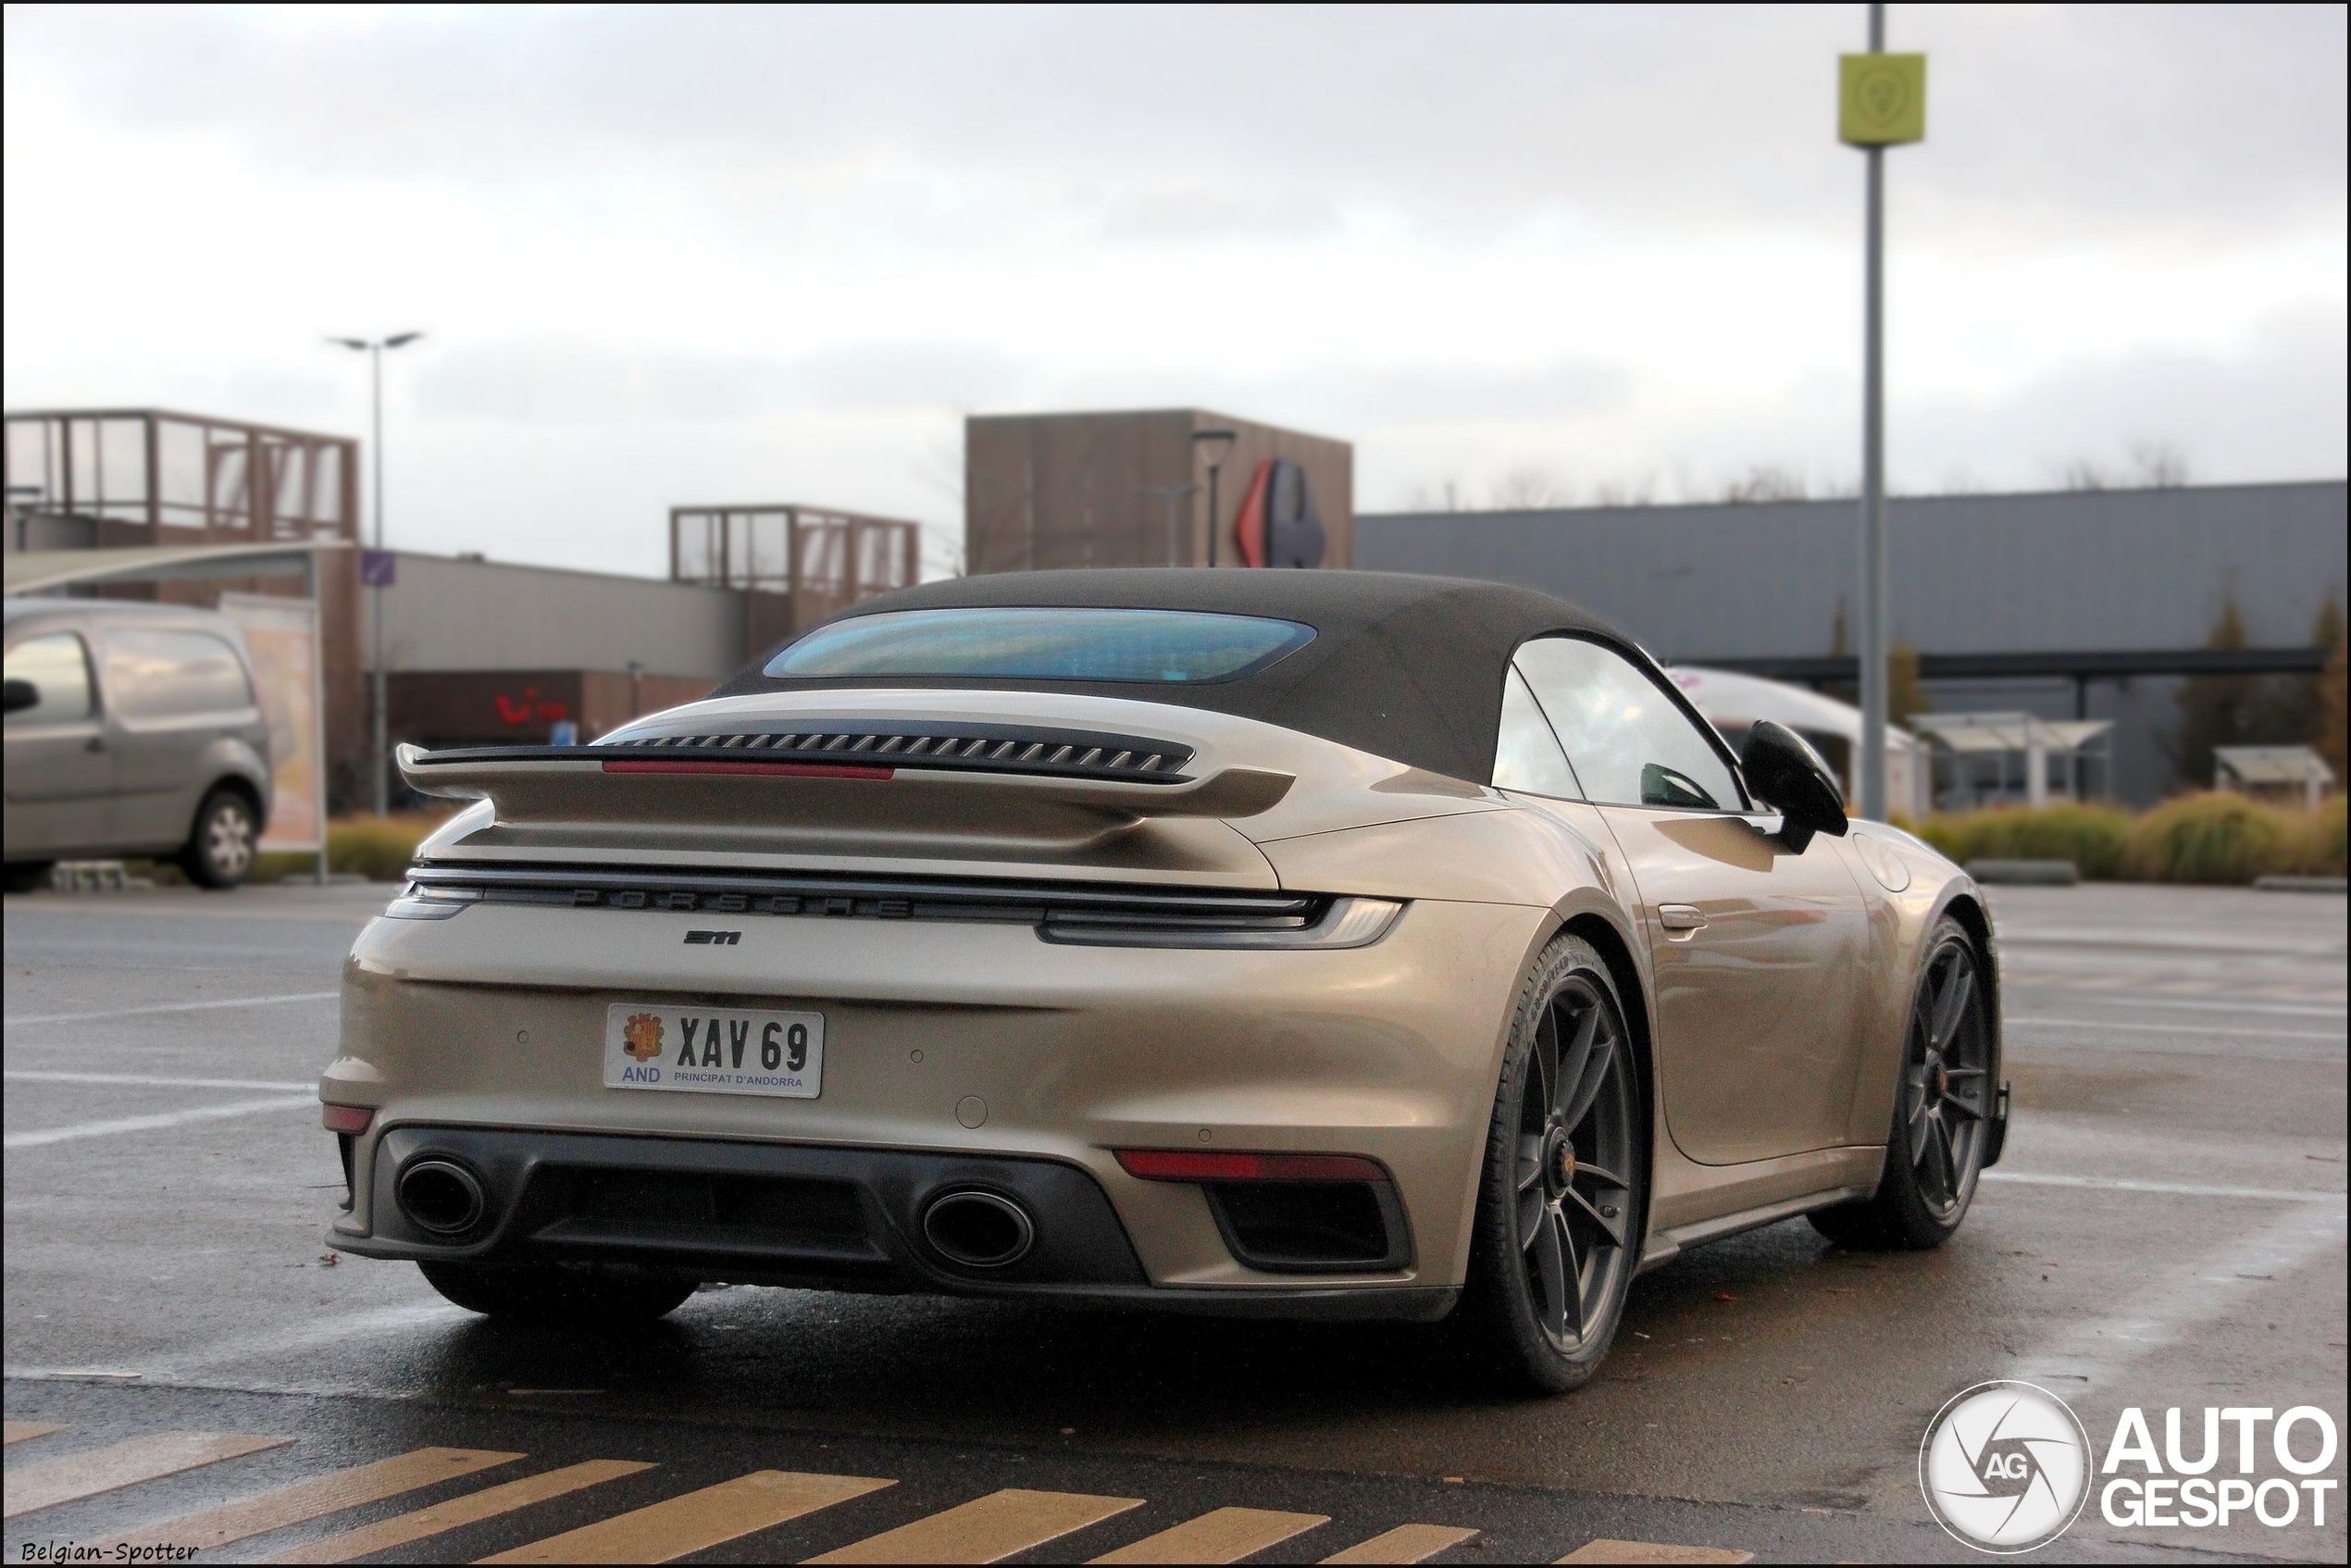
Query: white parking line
2078	994
172	1007
143	1081
2093	1353
2178	1189
2121	1027
151	1124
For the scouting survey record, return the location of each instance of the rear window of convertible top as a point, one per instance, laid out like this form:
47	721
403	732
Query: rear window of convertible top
1044	644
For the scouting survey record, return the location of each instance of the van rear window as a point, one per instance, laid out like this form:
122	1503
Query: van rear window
1044	644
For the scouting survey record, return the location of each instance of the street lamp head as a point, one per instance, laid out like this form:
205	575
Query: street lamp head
1213	445
351	343
399	339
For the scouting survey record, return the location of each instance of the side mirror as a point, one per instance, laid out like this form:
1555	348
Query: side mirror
22	694
1788	774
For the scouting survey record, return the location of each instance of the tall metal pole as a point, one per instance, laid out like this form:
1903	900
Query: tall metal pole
1212	511
375	601
1874	596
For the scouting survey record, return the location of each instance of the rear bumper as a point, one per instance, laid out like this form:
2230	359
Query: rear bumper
810	1217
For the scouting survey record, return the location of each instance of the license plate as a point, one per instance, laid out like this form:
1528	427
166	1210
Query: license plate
714	1051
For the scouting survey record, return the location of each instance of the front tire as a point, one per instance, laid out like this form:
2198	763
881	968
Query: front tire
1562	1196
547	1293
1942	1108
220	851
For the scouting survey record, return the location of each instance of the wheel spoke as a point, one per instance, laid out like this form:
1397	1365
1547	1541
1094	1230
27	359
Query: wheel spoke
1575	1061
1572	1300
1613	1228
1530	1159
1531	1210
1947	1163
1558	1290
1601	1058
1922	1104
1953	1103
1543	1092
1922	1146
1604	1178
1951	1006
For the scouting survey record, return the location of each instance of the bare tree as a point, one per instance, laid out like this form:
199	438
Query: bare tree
1529	489
2086	473
1443	497
1767	481
2158	464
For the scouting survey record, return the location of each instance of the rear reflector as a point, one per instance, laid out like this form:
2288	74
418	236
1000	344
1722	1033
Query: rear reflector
349	1118
1184	1165
786	769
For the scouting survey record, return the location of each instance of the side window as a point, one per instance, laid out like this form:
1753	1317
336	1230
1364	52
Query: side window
1628	742
60	670
1526	754
172	674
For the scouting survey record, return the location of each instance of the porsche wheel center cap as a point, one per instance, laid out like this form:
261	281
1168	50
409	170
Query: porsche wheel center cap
1559	1161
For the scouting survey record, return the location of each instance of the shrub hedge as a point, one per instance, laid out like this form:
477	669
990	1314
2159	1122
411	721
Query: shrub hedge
2212	835
378	848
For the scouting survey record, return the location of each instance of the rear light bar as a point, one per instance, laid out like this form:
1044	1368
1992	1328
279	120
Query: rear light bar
788	769
1185	1164
352	1119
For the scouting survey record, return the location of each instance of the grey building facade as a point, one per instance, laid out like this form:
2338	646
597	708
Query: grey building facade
2075	603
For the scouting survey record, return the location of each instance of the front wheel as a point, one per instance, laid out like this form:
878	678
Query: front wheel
549	1293
220	850
1563	1192
1942	1109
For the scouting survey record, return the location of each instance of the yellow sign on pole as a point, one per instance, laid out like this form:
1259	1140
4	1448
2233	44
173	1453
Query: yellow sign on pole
1881	99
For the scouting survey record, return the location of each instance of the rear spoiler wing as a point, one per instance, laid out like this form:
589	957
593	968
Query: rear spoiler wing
686	788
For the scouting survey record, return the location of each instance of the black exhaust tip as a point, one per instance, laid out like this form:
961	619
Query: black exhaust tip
440	1196
978	1230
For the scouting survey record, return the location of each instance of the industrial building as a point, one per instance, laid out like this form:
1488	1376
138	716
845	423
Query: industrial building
476	651
1051	490
2073	606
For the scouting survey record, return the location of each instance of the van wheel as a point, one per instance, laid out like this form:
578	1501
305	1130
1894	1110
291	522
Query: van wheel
550	1293
220	853
26	875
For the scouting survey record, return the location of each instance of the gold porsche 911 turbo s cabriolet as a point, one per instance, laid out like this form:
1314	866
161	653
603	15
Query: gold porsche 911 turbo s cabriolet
1295	943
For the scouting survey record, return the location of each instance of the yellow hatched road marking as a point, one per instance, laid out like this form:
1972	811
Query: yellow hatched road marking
1652	1551
1224	1535
306	1501
488	1503
24	1431
1406	1543
141	1459
987	1529
698	1520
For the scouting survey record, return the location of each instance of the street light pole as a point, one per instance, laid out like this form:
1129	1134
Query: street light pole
1212	445
1874	608
381	751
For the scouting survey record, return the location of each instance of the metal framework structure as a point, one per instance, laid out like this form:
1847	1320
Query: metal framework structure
107	476
822	559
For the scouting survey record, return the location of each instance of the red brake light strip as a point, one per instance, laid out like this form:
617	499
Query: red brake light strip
1185	1164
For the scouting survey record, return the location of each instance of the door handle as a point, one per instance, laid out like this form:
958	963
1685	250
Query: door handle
1679	917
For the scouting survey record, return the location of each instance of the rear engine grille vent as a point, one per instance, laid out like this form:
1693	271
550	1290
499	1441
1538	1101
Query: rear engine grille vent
990	748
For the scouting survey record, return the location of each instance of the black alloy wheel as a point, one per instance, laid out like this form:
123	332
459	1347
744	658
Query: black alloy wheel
1559	1214
1942	1110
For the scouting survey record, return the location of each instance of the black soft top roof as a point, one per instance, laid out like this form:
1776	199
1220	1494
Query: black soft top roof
1405	667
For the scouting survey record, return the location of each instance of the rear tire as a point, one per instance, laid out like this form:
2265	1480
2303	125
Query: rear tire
1563	1199
548	1293
220	851
1943	1100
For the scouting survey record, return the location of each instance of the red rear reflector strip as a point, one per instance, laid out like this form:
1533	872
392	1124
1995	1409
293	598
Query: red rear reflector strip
789	769
1184	1165
349	1118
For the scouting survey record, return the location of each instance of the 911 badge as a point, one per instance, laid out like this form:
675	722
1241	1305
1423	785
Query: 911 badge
714	1051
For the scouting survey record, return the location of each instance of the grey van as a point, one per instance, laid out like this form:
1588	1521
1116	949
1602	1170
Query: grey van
132	729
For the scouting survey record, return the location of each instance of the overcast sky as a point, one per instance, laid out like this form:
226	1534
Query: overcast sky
739	255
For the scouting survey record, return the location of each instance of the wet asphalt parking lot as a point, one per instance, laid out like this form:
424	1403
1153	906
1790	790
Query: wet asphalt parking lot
2168	1230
